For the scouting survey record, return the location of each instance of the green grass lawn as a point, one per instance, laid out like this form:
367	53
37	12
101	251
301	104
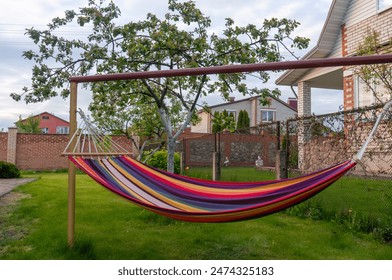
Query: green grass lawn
109	227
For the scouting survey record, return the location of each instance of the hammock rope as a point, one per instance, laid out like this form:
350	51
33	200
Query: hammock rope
89	141
197	200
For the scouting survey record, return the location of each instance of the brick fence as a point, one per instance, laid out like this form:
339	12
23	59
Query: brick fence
40	151
44	151
3	146
240	149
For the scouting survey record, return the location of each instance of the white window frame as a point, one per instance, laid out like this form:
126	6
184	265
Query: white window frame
45	130
62	130
232	111
383	5
359	91
273	111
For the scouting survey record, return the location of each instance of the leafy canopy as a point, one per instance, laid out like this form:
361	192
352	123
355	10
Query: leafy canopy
28	125
243	123
181	39
223	121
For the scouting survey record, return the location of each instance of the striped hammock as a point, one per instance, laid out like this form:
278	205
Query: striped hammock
196	200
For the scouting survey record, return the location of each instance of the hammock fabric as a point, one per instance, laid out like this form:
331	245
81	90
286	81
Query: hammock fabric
196	200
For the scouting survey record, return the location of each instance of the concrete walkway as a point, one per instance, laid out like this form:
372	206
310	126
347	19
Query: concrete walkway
7	185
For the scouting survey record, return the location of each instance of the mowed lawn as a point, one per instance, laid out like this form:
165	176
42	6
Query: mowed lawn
109	227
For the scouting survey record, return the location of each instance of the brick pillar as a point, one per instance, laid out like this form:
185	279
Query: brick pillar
304	109
348	92
348	80
304	99
11	145
254	110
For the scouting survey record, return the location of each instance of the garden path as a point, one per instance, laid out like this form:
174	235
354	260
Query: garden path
7	185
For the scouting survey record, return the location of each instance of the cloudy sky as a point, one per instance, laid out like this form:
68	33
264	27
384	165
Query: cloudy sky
17	15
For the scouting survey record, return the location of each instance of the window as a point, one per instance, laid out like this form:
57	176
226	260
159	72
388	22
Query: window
268	115
62	130
45	117
368	95
363	96
233	112
384	4
45	130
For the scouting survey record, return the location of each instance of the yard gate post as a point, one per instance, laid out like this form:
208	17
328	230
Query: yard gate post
281	163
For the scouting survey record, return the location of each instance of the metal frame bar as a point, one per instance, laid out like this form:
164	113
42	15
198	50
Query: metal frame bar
238	68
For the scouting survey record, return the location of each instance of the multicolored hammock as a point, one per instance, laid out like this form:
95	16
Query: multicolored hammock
196	200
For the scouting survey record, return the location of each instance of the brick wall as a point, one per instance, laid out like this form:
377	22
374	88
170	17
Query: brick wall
352	37
240	149
380	22
43	151
322	152
3	146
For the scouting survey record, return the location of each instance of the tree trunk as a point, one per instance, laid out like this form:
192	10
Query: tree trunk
171	146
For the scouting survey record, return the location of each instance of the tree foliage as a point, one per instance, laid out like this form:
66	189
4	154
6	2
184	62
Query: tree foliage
28	125
182	39
140	122
243	122
223	121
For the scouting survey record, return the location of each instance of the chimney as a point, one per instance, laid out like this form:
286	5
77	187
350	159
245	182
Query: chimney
231	99
293	103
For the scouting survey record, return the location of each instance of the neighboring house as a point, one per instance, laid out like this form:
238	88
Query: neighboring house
347	24
277	110
50	124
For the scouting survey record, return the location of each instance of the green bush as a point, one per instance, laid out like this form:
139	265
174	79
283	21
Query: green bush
307	209
159	160
8	170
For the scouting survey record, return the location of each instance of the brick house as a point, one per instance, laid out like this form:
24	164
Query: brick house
276	110
347	24
50	124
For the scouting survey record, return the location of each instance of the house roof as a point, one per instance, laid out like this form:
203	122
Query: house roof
46	113
250	98
325	45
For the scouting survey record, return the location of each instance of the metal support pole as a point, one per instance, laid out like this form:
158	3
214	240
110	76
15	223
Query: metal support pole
214	173
71	167
287	147
218	159
278	163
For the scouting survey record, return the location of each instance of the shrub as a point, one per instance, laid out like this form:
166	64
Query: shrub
308	209
8	170
159	160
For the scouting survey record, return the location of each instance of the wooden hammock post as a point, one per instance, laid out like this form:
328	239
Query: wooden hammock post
72	167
